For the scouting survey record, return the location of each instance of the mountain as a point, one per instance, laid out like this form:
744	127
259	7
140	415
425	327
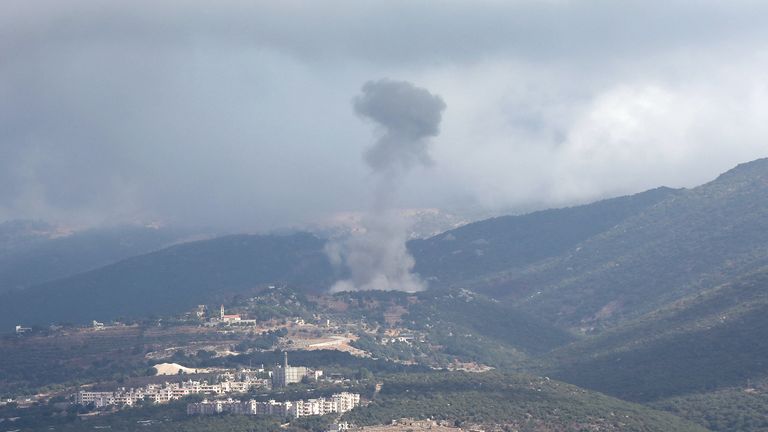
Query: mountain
172	280
457	323
421	222
20	234
709	340
509	402
702	357
584	268
190	271
483	248
35	252
738	408
659	297
688	241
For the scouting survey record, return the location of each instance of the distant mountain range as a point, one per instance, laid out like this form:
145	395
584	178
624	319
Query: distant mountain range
33	252
173	280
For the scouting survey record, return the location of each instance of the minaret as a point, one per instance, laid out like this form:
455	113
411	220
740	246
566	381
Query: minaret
221	315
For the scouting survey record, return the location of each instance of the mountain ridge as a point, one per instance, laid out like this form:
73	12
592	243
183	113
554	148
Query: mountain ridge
34	252
594	278
171	280
692	240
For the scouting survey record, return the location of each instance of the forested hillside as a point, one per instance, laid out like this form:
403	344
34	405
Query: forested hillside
518	401
691	241
713	339
499	244
34	252
173	280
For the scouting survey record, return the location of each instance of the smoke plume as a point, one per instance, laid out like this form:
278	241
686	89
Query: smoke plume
406	117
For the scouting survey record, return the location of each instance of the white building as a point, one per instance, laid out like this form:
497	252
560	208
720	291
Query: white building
162	393
284	374
337	403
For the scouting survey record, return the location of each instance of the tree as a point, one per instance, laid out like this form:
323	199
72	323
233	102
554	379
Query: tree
364	374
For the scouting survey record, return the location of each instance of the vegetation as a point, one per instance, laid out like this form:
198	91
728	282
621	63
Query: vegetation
659	298
265	341
517	401
172	280
170	417
32	364
485	318
394	350
691	241
332	360
483	248
726	410
712	340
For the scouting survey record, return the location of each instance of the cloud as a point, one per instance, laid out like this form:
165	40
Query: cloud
237	115
397	31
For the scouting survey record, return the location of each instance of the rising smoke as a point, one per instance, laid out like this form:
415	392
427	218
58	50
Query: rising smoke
406	117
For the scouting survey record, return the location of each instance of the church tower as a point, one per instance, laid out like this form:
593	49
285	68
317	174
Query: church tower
221	314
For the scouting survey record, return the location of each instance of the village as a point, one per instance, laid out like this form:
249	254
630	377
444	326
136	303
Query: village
228	383
233	359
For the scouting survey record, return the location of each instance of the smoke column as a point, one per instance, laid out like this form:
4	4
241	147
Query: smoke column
406	117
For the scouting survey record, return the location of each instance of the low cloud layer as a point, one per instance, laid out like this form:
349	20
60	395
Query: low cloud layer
236	115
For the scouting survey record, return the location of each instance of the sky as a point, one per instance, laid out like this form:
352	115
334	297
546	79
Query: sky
239	114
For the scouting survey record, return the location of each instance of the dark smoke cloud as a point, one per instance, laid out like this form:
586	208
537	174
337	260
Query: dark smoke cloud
407	114
377	259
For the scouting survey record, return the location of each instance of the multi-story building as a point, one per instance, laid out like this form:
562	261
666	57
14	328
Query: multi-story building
162	393
284	374
345	401
337	403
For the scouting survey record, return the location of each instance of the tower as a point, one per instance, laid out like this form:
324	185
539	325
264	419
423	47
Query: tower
285	360
221	314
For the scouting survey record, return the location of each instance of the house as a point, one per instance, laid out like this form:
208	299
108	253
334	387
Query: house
228	318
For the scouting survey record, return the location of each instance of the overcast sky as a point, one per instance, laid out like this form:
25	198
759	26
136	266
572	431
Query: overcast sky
239	114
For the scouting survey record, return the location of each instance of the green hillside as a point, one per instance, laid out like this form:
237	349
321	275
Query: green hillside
727	410
172	280
476	328
453	324
710	340
690	241
502	243
518	402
